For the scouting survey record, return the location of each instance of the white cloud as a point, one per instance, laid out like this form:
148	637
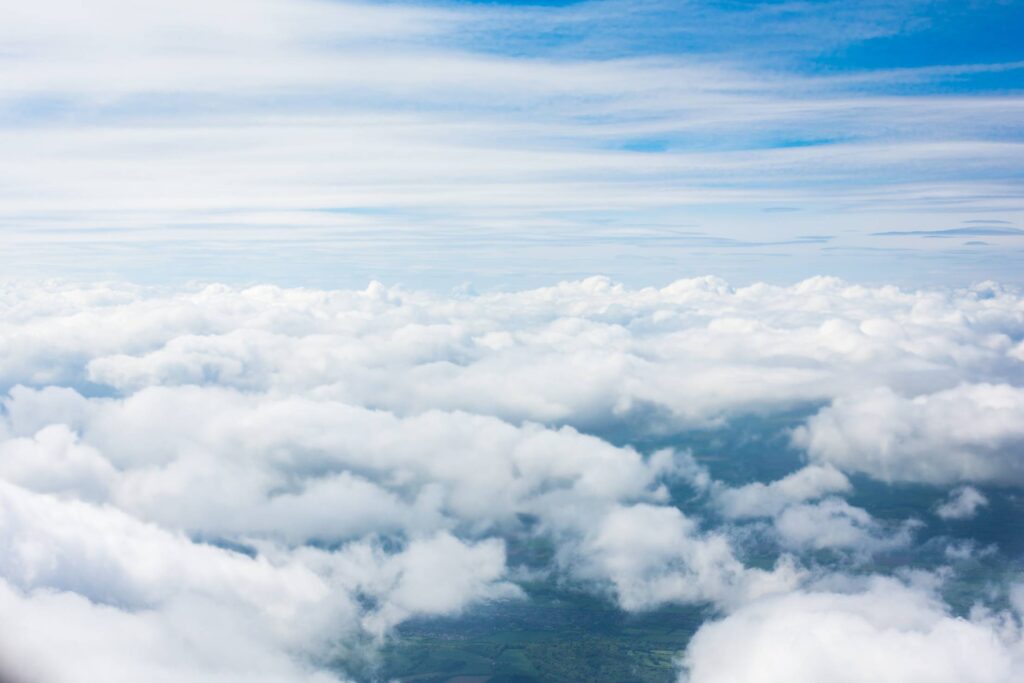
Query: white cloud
886	632
295	470
800	524
441	575
111	557
108	572
963	503
53	461
767	500
63	637
364	446
225	448
969	433
694	350
365	451
656	555
834	523
304	120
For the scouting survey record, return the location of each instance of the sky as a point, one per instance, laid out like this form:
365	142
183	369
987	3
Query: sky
320	320
503	145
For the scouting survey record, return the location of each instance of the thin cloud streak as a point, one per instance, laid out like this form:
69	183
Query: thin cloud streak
160	121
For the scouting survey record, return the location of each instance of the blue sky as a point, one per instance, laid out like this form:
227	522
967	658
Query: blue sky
512	144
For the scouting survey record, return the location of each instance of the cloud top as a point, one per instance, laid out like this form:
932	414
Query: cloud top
303	471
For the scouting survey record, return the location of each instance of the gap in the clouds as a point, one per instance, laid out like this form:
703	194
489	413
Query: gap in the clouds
93	390
996	523
558	634
223	543
567	631
571	632
975	555
739	449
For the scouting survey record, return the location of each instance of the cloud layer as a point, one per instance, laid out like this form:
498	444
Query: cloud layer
301	471
299	139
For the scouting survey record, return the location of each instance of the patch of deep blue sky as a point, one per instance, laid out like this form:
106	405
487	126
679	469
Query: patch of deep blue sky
920	46
812	37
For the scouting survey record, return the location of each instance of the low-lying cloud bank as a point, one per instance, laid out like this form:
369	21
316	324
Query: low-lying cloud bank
256	484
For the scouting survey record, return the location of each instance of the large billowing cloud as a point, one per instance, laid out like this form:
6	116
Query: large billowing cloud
653	556
63	637
886	631
301	471
970	433
139	599
580	352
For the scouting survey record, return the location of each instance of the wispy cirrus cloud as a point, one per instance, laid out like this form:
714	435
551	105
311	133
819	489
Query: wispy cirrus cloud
205	131
977	230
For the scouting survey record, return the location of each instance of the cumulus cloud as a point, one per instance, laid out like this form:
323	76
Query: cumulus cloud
52	460
120	599
801	524
298	471
279	457
304	470
963	503
801	520
655	555
969	433
441	575
109	556
767	500
62	637
113	574
691	351
834	523
886	631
